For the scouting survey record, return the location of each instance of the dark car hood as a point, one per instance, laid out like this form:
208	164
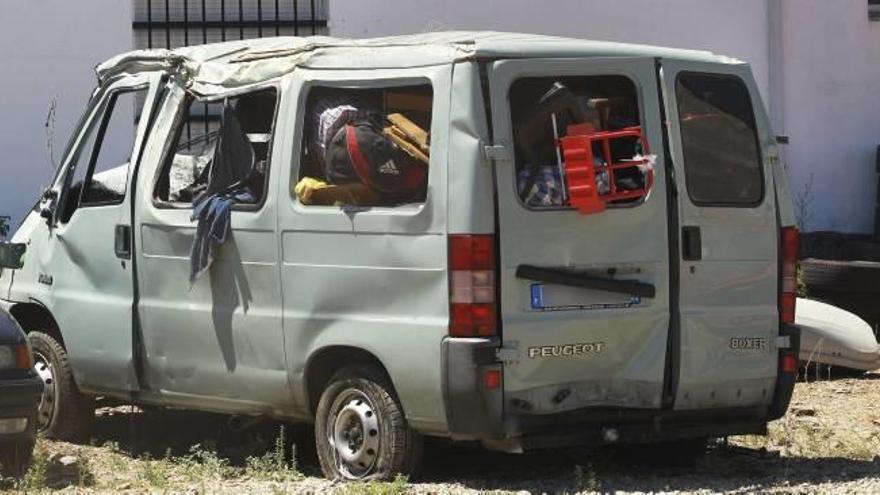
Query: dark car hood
10	332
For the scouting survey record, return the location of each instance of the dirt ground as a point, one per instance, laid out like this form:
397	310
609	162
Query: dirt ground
828	442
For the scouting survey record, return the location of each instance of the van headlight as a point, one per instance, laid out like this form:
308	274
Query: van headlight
15	357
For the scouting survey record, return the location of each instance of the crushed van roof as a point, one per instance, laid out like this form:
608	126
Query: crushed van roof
220	67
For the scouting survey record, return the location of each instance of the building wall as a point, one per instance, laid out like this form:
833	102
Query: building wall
831	56
48	49
817	64
737	28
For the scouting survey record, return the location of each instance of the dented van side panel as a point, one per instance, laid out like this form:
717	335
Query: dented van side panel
369	278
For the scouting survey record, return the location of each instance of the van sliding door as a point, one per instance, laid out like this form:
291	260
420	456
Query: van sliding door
584	298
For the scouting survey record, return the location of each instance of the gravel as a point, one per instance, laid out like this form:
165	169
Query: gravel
828	442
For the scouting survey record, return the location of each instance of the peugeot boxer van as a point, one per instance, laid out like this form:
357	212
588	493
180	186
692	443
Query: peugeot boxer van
601	251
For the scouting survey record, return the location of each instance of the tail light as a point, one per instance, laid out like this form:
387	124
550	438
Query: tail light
472	310
23	357
788	279
788	363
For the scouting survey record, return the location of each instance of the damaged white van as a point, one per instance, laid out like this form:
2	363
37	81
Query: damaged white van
521	240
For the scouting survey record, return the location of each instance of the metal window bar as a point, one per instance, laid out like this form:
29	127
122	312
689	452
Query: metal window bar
254	18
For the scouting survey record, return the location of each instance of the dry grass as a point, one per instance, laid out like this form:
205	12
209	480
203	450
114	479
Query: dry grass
829	442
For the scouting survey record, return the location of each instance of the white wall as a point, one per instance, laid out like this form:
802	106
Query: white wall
730	27
48	48
831	55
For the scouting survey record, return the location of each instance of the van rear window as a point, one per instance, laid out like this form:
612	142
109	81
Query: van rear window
722	161
545	109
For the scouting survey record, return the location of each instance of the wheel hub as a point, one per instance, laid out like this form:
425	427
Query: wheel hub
354	434
44	370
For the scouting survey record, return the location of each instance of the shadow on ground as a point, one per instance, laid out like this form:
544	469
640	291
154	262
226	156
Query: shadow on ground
724	468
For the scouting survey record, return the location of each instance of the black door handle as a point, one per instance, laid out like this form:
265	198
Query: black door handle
122	242
574	279
691	244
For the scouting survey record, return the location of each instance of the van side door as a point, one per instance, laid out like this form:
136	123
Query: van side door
728	272
214	342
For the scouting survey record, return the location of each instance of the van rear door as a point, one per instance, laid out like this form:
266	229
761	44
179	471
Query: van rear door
566	346
721	147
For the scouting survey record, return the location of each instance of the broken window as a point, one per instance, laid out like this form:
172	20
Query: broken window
365	147
99	169
220	145
604	112
722	160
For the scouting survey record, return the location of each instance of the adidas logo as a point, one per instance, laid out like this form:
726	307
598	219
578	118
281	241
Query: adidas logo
389	168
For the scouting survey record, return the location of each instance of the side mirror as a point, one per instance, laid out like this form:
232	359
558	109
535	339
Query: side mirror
12	255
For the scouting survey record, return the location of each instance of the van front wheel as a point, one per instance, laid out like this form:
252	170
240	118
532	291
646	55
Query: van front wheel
360	430
64	412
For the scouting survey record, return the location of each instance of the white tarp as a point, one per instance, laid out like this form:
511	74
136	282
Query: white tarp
221	67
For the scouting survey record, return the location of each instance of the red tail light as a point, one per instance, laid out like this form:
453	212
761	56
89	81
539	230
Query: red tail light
788	363
472	285
788	280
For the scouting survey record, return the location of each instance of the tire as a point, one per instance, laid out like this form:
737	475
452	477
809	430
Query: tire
842	276
358	400
15	458
840	247
64	413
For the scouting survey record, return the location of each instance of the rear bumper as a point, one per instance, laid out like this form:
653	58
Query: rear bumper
19	398
615	426
475	412
785	380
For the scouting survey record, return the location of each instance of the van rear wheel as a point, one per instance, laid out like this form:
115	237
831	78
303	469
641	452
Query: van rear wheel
64	412
360	429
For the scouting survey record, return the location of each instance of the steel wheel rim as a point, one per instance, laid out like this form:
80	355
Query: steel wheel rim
353	432
46	410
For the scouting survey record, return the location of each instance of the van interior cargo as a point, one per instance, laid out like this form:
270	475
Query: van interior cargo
188	171
579	136
365	147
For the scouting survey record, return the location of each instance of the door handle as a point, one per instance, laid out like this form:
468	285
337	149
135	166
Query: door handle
573	279
692	244
122	241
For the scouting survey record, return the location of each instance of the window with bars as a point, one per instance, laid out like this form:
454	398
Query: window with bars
175	23
874	10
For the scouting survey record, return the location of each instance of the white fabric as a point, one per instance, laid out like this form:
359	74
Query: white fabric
217	68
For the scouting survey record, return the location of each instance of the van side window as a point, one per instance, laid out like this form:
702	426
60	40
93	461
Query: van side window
545	109
101	164
722	160
201	163
365	146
